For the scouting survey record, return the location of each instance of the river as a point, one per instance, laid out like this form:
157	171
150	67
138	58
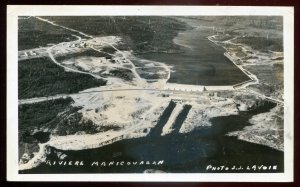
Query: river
181	153
201	62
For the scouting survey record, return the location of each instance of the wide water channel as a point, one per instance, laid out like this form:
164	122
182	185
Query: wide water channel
201	62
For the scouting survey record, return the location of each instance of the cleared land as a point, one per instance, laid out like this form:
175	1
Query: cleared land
93	119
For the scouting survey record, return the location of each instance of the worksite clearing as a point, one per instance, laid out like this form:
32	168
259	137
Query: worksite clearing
137	93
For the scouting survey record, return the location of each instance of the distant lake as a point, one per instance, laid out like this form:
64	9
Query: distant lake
201	61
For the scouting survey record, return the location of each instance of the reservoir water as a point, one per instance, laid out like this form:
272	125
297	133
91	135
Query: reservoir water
201	62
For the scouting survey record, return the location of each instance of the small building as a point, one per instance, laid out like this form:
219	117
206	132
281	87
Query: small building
184	87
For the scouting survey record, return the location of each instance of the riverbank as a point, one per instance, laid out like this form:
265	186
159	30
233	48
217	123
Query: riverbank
252	77
267	128
130	114
201	61
191	152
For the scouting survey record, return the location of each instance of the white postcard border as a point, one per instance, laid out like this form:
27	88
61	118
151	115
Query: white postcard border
13	11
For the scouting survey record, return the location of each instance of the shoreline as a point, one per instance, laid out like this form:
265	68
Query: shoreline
252	77
41	155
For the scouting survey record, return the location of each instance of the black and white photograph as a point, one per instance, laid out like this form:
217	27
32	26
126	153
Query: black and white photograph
159	94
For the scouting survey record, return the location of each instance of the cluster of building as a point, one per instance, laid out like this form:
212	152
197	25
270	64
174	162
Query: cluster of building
80	45
184	87
32	53
28	53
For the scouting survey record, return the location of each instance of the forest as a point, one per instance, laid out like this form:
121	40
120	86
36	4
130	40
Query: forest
40	77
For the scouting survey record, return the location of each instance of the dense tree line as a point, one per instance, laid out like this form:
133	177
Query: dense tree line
33	33
260	22
89	52
145	33
262	43
40	116
41	77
